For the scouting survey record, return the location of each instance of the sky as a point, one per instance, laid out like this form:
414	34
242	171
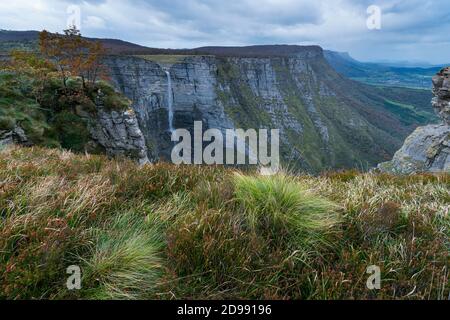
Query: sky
405	30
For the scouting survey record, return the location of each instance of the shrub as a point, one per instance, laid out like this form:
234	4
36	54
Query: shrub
71	130
191	232
7	123
253	241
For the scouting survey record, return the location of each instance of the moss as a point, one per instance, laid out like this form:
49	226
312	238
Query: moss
111	99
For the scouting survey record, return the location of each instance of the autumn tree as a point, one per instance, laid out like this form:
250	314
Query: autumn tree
73	55
35	69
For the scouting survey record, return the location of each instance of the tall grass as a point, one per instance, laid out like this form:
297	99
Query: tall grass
124	262
285	210
164	231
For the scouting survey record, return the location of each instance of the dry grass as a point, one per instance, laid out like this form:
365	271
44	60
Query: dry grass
161	231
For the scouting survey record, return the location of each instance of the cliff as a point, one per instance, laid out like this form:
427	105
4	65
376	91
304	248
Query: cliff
97	120
428	148
326	121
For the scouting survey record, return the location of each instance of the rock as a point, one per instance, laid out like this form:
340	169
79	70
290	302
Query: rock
297	94
118	133
17	135
441	90
196	95
428	148
6	138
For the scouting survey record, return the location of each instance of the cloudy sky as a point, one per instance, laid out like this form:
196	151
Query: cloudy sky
415	30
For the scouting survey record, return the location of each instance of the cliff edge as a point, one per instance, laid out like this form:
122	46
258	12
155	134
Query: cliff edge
428	148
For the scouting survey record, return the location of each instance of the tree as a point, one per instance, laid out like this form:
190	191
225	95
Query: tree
73	55
36	70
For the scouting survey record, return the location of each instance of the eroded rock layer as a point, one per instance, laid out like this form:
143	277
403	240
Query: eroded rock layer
428	148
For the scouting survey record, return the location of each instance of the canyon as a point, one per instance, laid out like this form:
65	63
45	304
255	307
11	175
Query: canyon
326	121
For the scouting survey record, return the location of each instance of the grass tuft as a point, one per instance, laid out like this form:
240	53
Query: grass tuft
125	262
285	210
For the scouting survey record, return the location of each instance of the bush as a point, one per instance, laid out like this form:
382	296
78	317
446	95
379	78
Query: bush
112	100
7	123
71	131
191	232
253	241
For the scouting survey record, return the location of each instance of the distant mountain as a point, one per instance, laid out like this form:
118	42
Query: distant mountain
381	74
29	40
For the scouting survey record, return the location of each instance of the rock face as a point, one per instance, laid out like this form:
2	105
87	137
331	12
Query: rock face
441	91
16	135
193	91
325	120
117	132
428	148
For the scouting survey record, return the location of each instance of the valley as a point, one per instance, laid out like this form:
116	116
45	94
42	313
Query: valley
326	120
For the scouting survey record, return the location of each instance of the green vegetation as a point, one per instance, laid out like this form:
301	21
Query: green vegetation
408	113
17	107
53	119
165	58
54	94
172	232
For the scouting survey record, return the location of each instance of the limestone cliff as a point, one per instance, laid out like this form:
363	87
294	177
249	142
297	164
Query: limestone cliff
326	121
117	132
428	148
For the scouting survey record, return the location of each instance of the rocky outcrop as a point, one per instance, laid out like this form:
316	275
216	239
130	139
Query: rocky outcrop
16	135
428	148
116	132
441	91
113	132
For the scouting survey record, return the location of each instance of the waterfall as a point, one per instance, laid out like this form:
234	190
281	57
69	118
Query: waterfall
170	101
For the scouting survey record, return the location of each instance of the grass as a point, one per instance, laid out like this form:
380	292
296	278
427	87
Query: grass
284	208
409	113
125	262
173	232
165	58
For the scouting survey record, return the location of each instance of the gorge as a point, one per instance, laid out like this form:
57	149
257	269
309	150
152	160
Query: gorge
325	120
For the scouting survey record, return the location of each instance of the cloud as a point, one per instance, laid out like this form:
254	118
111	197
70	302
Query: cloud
411	29
93	22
